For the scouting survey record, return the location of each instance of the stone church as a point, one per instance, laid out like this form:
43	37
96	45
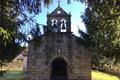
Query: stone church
60	55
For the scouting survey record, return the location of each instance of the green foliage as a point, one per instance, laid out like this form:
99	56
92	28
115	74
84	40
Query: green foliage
102	20
9	24
7	29
6	36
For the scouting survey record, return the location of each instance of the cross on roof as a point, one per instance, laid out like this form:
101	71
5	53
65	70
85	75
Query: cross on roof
58	2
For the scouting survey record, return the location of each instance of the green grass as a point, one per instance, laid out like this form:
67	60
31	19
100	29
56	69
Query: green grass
18	75
97	75
13	75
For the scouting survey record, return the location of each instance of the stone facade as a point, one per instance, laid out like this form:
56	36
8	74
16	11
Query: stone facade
59	56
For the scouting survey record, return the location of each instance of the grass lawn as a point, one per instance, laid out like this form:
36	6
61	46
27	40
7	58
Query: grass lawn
96	75
13	75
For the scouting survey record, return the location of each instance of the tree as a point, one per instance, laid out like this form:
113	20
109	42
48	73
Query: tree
102	19
9	23
7	33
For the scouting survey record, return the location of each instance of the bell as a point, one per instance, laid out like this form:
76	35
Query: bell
63	26
54	25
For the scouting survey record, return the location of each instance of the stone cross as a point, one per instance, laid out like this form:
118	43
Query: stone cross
58	2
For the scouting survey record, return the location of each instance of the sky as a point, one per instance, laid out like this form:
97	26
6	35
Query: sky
76	9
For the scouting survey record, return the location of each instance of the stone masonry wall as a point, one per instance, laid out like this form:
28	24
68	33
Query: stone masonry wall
56	45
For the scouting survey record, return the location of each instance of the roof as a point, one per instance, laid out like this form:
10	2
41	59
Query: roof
58	11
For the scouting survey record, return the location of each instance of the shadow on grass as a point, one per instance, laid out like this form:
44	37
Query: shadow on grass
13	75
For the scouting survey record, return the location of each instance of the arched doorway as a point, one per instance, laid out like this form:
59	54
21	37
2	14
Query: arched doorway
59	69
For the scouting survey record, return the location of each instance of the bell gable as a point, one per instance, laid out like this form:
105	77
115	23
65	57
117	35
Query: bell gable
59	21
58	11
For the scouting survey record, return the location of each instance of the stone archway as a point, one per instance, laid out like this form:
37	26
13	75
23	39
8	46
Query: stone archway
59	69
